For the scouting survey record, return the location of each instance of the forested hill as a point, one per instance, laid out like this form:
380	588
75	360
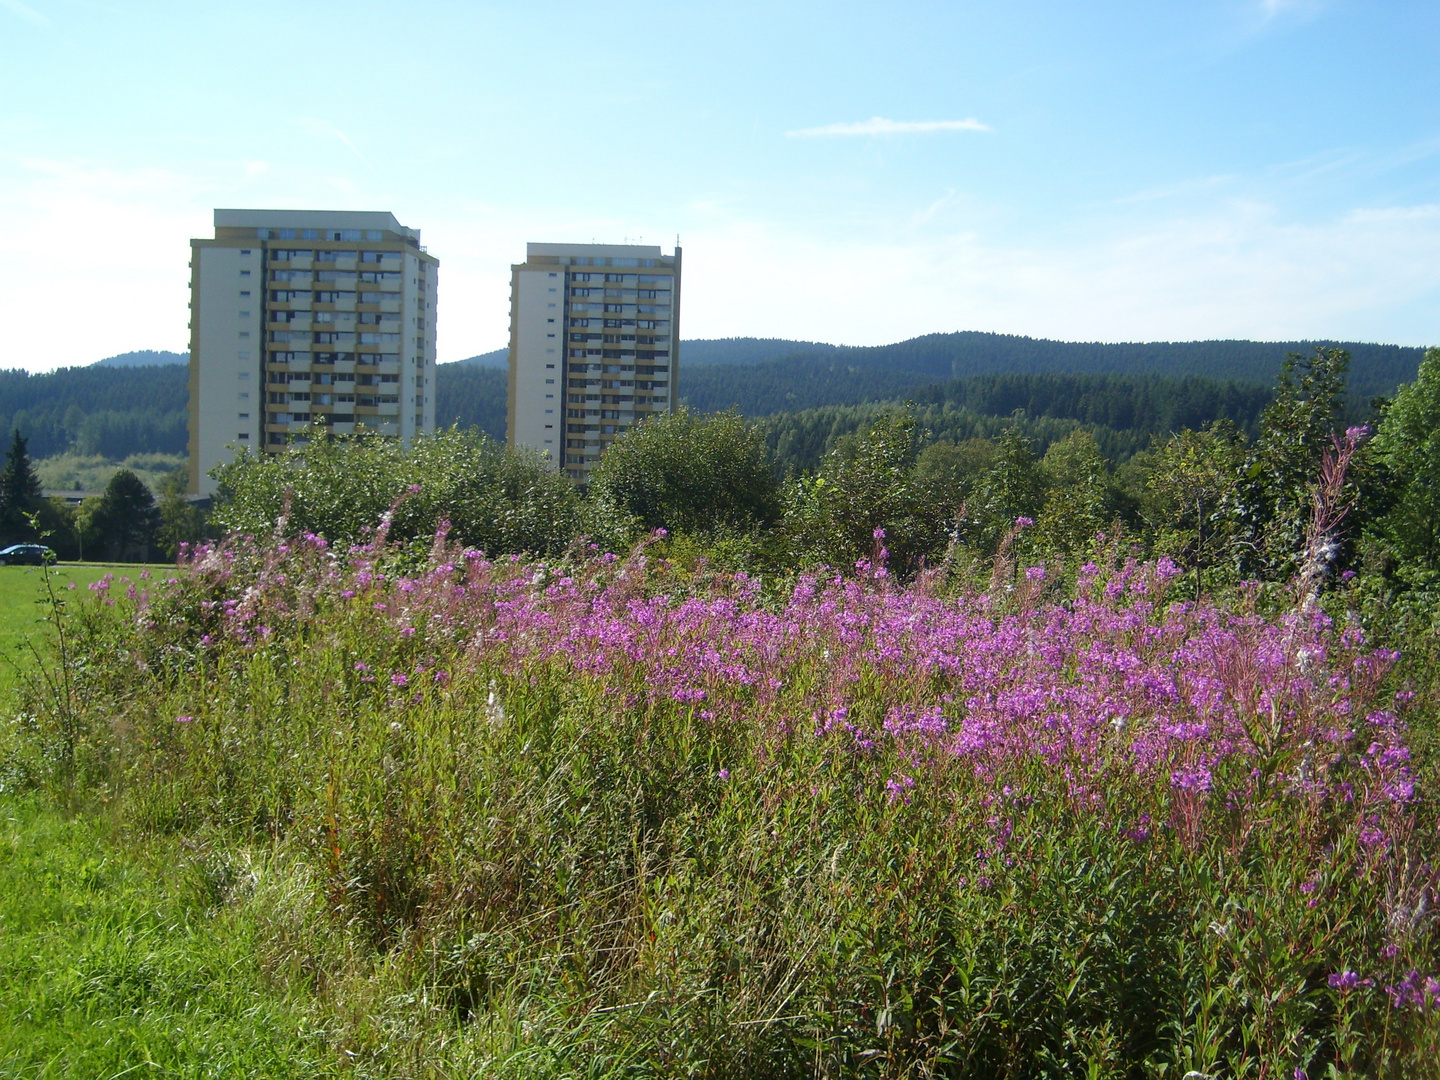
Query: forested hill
116	411
740	350
472	395
111	411
144	358
813	376
1125	412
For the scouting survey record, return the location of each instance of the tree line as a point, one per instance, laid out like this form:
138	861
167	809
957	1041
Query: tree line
1228	503
124	523
1223	480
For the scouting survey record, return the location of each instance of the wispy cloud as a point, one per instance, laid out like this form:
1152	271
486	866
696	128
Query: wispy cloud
878	125
29	14
1236	270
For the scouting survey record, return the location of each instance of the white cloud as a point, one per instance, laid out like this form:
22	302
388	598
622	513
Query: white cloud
1236	272
95	258
878	125
29	14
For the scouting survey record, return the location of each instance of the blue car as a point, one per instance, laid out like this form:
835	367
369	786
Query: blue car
26	555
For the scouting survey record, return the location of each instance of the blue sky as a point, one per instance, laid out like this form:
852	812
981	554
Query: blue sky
856	173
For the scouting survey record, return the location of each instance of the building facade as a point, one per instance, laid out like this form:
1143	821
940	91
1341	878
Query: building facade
594	347
305	320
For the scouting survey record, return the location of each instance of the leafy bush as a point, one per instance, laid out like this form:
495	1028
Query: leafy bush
683	471
494	498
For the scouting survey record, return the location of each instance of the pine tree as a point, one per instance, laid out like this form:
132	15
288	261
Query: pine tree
19	493
122	523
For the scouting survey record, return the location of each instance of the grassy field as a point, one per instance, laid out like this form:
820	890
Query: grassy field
22	614
112	962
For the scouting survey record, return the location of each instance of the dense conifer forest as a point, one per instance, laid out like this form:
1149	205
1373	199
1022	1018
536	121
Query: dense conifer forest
960	383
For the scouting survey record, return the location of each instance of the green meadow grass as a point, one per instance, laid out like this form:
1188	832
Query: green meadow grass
111	965
23	613
112	962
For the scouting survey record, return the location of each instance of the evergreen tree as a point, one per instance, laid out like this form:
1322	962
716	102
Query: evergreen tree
19	493
122	523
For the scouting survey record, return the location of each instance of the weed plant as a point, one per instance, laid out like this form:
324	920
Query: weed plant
594	816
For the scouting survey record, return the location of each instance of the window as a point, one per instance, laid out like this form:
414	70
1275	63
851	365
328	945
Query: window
244	416
244	273
244	293
244	436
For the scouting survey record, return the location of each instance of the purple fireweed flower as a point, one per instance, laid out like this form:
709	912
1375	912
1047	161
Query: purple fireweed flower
724	774
1191	779
1035	573
898	788
1344	981
399	678
184	719
879	534
1024	522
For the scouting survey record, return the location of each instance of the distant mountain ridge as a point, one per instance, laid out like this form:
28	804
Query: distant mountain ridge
137	402
813	376
739	350
144	358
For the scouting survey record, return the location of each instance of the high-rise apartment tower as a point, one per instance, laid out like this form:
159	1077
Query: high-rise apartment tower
307	319
594	346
